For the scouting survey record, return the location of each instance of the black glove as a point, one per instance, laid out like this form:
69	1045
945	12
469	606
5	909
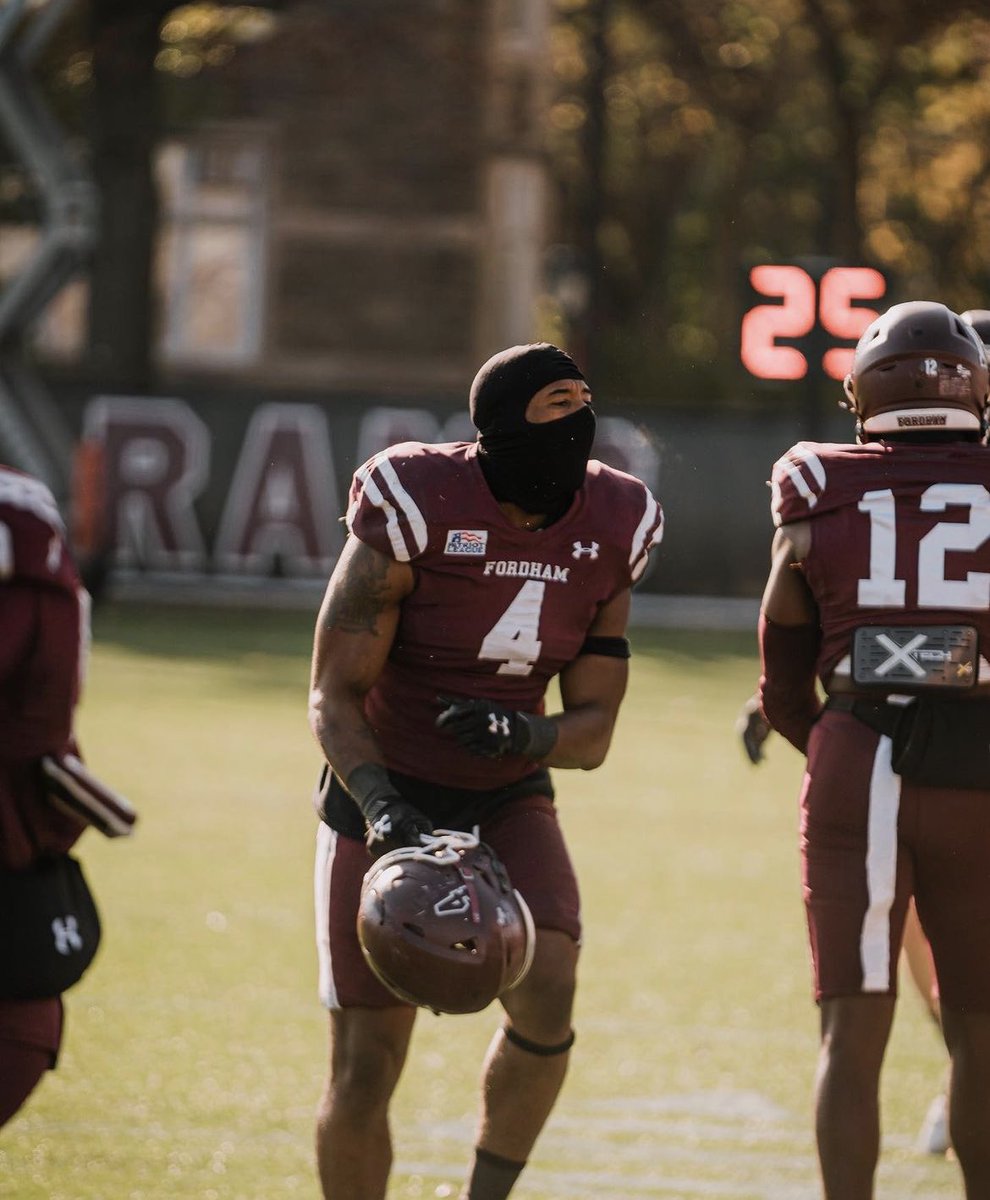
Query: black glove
754	729
392	822
492	730
398	824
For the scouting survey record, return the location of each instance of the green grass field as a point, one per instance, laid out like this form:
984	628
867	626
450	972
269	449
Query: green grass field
195	1046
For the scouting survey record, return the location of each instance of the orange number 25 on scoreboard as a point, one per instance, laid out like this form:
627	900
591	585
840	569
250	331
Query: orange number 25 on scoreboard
805	302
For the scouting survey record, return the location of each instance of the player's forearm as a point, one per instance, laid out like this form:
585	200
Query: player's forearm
339	726
583	738
787	693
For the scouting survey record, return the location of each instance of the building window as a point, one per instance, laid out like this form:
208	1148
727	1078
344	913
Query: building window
211	259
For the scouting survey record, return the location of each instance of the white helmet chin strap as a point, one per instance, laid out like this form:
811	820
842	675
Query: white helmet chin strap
442	847
847	387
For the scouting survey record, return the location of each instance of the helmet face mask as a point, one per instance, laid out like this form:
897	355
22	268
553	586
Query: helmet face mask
442	927
979	319
919	366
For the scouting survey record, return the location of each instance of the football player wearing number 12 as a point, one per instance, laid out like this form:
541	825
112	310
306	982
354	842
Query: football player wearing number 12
474	573
879	586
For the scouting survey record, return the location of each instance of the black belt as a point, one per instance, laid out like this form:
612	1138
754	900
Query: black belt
878	714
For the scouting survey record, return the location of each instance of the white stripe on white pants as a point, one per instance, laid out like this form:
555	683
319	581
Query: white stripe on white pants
881	870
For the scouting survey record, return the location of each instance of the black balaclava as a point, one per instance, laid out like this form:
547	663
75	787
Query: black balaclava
539	467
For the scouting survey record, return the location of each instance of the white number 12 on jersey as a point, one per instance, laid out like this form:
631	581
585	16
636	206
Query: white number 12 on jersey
513	640
883	590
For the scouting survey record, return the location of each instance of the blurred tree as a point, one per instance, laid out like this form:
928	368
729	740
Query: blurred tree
870	56
119	74
124	129
687	139
762	130
690	89
133	47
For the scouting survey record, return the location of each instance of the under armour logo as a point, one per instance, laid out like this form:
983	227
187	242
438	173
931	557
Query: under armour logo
498	725
900	656
455	903
591	551
67	936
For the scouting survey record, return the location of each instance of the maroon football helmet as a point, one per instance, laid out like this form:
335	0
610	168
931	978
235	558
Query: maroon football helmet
918	366
441	925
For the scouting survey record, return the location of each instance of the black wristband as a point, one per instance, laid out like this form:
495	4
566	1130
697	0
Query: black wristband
371	789
541	734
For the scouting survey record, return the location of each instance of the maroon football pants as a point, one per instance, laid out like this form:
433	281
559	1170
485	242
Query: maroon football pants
869	841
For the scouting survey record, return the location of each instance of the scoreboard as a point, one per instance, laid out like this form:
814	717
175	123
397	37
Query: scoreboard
806	317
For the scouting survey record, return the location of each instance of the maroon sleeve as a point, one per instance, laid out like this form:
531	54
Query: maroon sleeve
17	620
39	670
798	483
787	692
382	509
649	532
43	618
38	690
632	523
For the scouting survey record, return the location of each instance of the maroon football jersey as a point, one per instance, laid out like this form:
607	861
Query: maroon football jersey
44	616
496	611
900	535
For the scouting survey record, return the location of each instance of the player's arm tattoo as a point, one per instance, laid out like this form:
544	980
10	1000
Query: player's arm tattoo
360	597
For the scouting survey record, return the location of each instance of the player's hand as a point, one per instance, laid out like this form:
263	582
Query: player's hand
753	729
397	824
484	727
391	822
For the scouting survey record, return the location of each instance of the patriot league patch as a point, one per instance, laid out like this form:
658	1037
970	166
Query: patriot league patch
466	541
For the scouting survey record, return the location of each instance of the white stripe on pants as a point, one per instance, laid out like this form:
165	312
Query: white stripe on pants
881	870
326	848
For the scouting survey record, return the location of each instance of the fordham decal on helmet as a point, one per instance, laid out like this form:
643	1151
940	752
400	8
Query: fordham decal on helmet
441	925
918	366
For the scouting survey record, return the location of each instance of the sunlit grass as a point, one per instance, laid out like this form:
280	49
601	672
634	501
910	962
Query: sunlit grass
195	1046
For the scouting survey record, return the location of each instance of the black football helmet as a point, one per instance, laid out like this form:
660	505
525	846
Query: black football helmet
979	318
441	925
918	366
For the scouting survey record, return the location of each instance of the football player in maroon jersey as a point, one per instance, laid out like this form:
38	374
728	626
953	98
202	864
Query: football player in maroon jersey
933	1138
474	574
44	619
879	588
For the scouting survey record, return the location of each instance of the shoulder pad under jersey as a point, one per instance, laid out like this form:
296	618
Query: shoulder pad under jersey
633	511
391	494
32	533
803	481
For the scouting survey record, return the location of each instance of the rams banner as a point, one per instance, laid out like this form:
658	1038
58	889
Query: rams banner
271	506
